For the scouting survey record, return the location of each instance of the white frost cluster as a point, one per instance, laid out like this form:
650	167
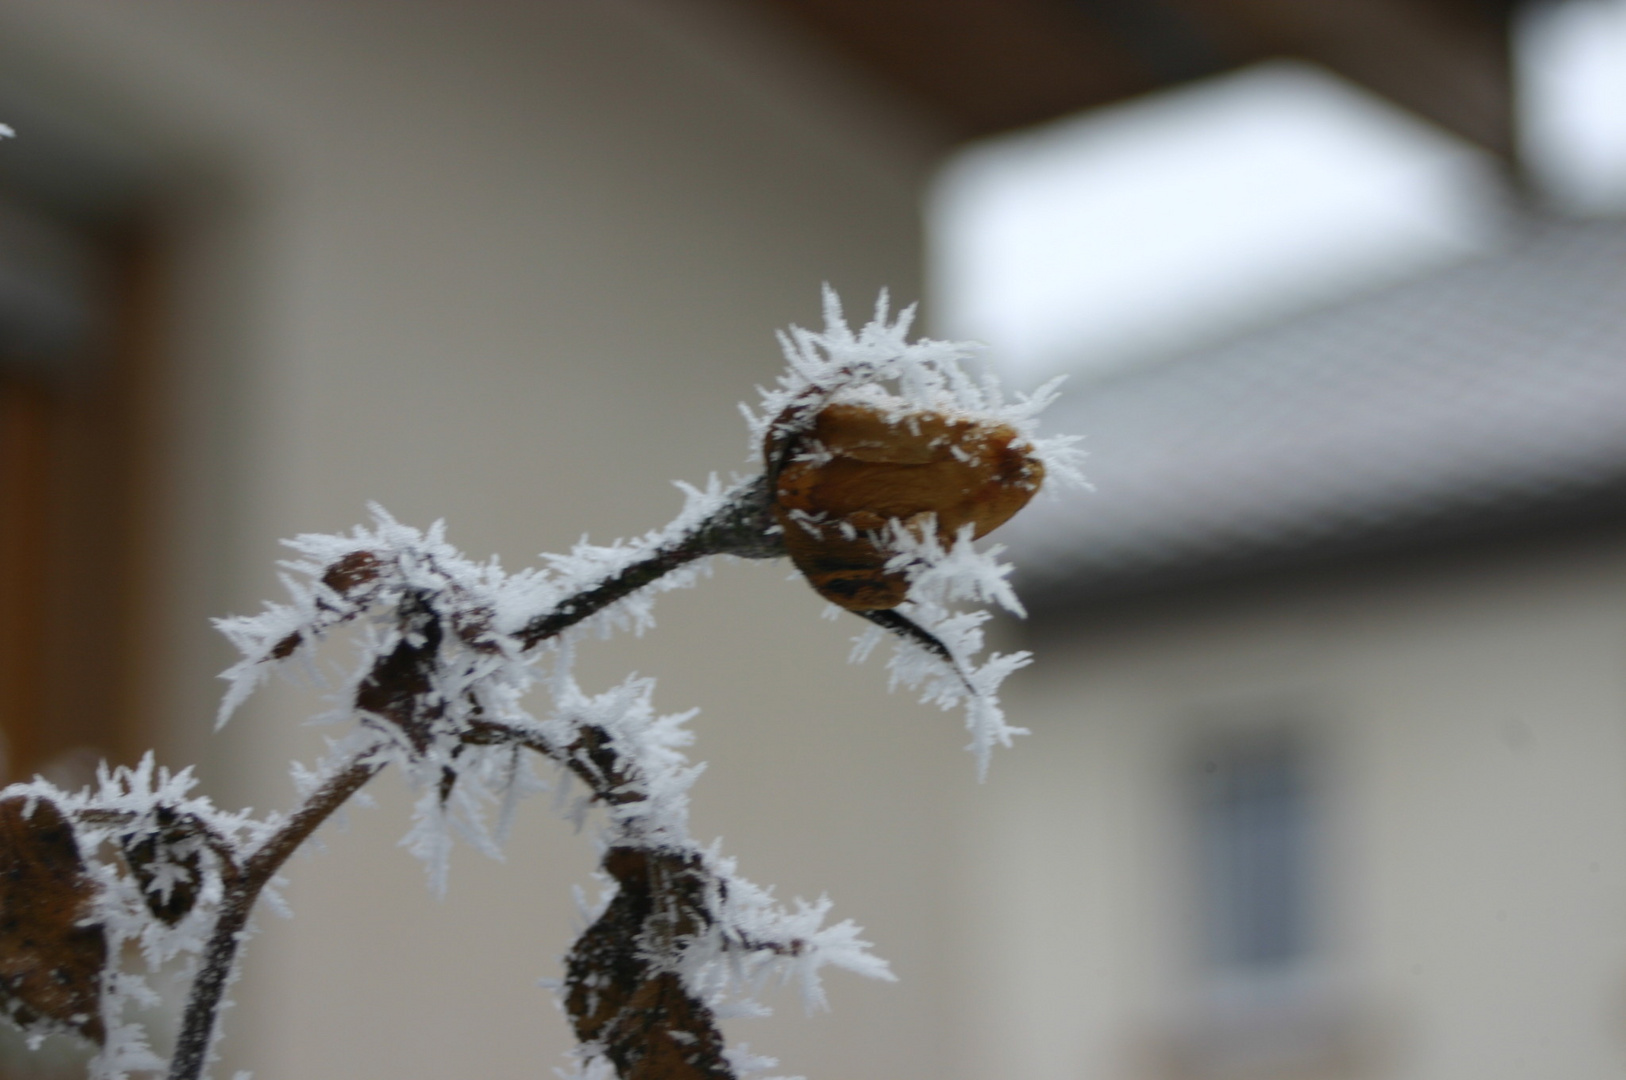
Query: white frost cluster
880	367
480	677
587	564
448	655
124	807
756	944
939	577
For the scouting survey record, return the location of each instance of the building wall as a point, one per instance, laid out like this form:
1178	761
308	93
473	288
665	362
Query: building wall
1467	719
513	264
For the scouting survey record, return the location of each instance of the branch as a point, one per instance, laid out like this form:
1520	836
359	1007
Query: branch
869	444
744	527
397	690
244	883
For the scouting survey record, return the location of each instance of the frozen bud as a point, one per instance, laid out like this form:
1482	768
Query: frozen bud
350	578
857	469
51	957
354	570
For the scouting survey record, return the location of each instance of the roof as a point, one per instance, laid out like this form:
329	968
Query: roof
1488	397
985	66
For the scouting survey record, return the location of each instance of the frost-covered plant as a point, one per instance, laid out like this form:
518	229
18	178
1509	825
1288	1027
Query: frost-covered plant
881	460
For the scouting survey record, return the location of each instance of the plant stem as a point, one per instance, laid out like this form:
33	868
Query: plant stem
742	528
244	883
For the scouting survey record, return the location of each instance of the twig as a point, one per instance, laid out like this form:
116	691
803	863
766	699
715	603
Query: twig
744	527
621	995
896	622
244	883
395	690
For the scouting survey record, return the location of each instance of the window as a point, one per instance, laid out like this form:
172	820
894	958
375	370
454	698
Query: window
1266	1001
1254	853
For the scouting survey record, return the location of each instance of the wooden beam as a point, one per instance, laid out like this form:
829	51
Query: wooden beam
983	66
26	482
1447	62
990	65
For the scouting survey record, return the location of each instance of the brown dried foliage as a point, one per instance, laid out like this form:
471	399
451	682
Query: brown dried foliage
174	842
855	470
621	997
51	956
398	688
356	568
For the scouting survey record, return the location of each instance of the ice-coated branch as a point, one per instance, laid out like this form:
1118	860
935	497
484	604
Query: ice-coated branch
244	883
881	462
743	527
441	688
441	692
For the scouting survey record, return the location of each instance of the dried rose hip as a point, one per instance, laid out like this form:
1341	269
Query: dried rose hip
857	469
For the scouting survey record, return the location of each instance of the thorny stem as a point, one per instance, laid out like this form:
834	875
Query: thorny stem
244	883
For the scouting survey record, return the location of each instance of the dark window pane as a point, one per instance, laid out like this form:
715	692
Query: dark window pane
1253	838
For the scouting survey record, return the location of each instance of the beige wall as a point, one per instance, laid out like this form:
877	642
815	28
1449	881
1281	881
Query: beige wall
1469	720
513	264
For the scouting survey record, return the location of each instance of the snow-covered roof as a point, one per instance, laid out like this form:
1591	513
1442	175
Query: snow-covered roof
1485	397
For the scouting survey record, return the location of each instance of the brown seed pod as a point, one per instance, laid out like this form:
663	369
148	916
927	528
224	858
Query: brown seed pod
856	469
51	960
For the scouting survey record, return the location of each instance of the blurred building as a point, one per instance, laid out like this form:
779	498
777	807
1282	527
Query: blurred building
1326	777
1331	696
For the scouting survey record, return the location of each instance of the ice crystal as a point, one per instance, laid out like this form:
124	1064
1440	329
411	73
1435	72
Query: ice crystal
879	366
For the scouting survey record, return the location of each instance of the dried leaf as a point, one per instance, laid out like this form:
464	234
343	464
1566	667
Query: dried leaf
356	568
619	993
399	688
168	865
51	958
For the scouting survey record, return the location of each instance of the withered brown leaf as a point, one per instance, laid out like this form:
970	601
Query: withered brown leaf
399	688
620	997
51	957
176	845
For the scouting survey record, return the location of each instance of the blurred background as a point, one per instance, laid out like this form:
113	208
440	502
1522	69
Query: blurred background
1327	776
